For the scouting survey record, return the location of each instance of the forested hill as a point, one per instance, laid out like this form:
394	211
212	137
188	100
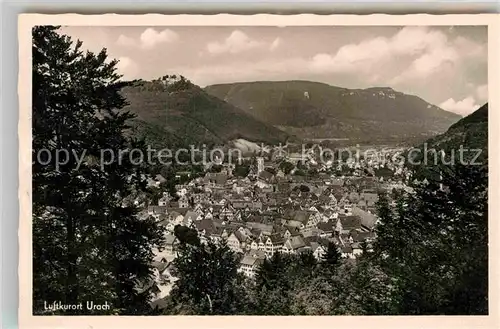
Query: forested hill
470	133
173	111
318	110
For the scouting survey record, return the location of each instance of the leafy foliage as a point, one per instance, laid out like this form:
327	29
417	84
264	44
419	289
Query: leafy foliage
434	244
86	245
287	167
242	170
208	279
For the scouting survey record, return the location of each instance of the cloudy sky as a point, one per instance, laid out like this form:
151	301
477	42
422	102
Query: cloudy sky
446	66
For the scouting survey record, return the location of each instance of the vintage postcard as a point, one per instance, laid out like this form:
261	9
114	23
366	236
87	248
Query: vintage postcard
234	171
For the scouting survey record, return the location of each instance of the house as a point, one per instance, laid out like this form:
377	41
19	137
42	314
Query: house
159	178
330	214
363	236
346	238
318	250
160	272
183	202
257	253
347	252
266	229
324	200
214	179
370	196
249	265
301	219
245	231
348	223
362	204
176	215
353	196
157	211
265	177
368	219
205	227
236	241
164	280
227	212
198	208
254	245
315	218
310	232
181	189
274	243
216	235
181	174
343	201
290	231
262	244
356	249
167	251
163	202
326	228
190	217
156	181
332	200
337	182
293	244
313	209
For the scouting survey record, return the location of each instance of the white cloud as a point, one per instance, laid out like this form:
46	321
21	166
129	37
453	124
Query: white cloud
482	92
235	43
127	67
429	63
469	48
442	53
148	39
353	57
267	69
123	40
275	44
464	107
427	52
369	54
238	42
416	40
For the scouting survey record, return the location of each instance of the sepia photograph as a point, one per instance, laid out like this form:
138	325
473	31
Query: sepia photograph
258	170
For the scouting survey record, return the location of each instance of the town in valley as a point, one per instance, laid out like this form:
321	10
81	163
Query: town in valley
279	203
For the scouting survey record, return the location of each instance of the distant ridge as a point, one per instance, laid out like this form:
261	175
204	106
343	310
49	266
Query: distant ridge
318	110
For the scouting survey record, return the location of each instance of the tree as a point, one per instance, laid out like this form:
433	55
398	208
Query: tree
86	244
242	170
433	243
304	188
287	167
270	170
208	279
273	284
216	168
332	256
186	235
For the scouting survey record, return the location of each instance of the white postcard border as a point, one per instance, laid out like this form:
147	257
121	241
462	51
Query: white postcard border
27	320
